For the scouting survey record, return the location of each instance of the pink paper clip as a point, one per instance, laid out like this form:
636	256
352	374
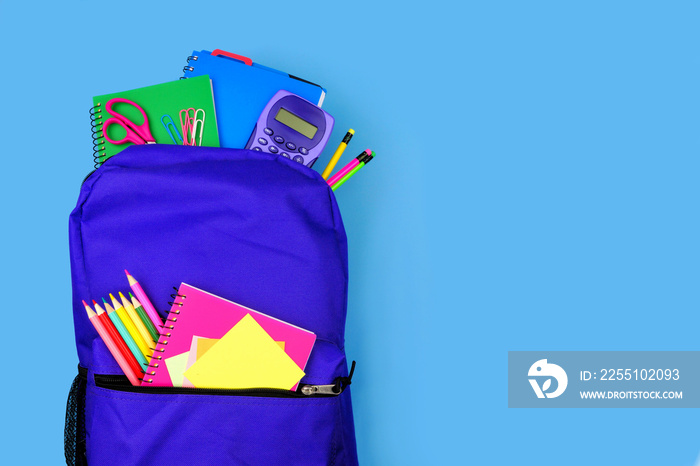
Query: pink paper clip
192	126
186	125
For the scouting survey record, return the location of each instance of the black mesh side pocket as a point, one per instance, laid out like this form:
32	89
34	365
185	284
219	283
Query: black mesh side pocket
74	433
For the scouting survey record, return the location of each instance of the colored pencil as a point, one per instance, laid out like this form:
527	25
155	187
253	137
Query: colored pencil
352	172
112	346
149	325
116	336
346	169
140	325
128	339
145	302
131	328
338	152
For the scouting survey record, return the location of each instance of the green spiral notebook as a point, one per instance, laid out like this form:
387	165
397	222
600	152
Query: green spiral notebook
156	101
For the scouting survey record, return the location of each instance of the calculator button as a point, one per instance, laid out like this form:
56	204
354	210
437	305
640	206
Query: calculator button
269	131
284	154
291	146
278	139
262	141
273	149
257	148
303	151
299	158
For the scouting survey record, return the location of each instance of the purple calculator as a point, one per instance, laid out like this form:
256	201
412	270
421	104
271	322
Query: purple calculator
292	127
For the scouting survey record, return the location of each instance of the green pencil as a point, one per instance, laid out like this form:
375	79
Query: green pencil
144	317
340	182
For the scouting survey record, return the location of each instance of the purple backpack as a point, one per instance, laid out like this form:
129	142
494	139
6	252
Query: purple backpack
251	227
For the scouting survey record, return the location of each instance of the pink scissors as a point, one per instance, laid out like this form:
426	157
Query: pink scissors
134	133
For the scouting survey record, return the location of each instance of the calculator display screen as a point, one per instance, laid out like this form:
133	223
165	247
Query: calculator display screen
297	124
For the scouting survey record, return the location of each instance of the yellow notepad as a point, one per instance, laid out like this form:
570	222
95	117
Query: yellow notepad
245	357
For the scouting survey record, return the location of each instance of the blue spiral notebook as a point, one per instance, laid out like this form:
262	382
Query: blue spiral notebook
242	89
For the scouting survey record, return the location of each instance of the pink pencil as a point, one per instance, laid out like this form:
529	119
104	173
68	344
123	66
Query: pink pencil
347	168
145	302
112	346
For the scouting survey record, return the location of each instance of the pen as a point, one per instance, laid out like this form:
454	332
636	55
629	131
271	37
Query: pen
346	169
362	163
338	152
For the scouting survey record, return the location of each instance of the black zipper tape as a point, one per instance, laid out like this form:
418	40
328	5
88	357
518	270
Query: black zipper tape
121	383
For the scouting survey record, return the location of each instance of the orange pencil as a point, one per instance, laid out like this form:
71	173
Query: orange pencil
112	346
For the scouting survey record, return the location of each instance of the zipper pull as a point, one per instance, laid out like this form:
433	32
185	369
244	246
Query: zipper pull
320	390
334	389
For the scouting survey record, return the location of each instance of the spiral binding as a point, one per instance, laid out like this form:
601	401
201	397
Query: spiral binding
98	140
189	68
160	344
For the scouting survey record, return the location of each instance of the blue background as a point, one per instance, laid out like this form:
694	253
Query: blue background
535	188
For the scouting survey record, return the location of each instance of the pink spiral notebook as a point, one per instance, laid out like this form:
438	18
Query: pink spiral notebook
198	314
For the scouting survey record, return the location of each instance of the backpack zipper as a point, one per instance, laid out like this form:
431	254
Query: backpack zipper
121	383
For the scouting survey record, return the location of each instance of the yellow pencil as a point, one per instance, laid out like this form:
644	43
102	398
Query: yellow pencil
338	152
131	328
140	326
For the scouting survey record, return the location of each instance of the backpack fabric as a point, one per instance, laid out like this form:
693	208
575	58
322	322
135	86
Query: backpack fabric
251	227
